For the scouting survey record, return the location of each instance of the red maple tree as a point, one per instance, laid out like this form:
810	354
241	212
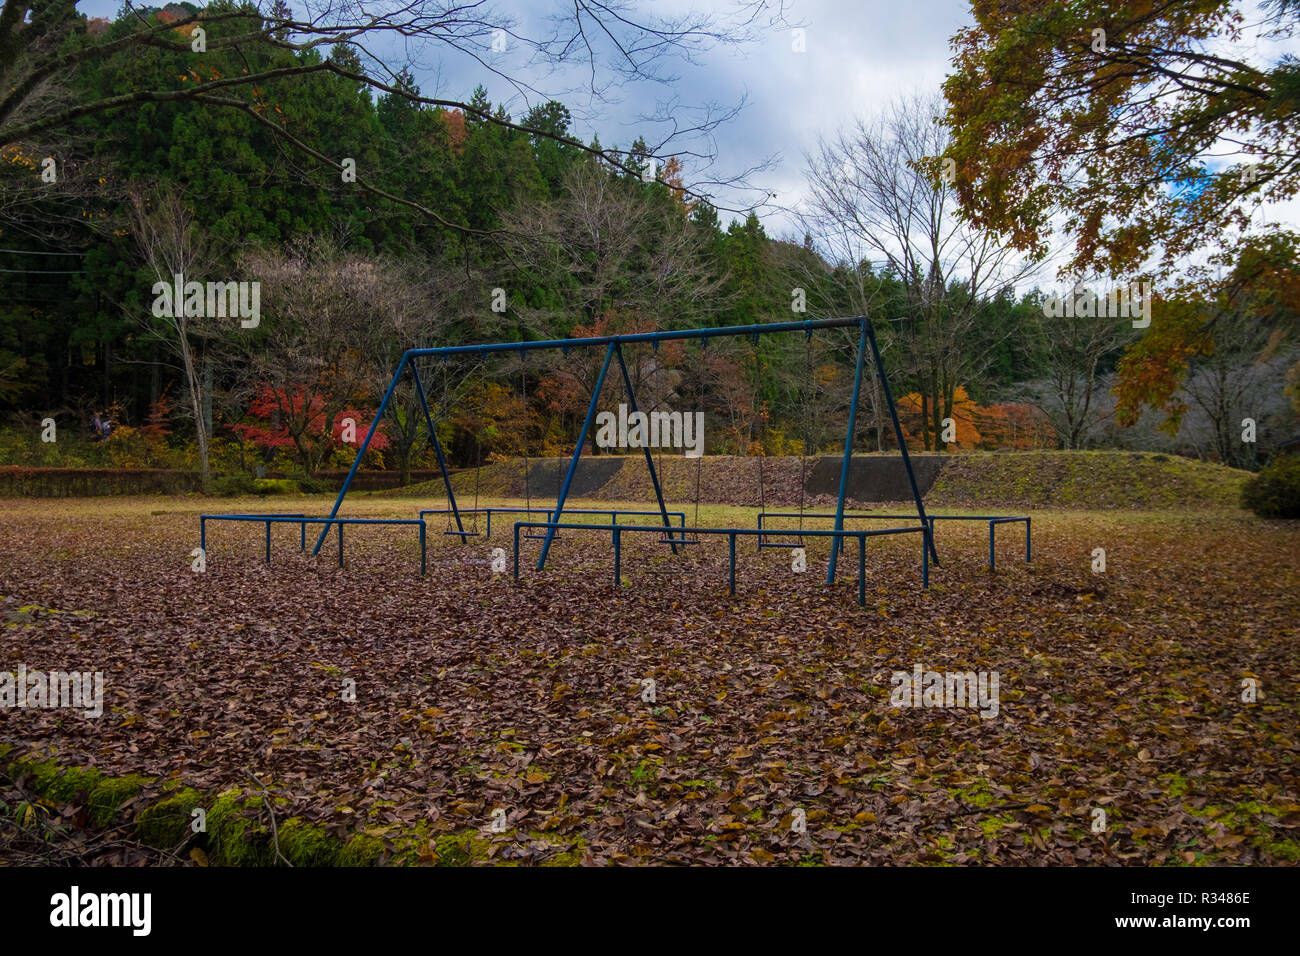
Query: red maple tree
294	417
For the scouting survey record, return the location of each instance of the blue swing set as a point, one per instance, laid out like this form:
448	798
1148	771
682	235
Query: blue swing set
673	534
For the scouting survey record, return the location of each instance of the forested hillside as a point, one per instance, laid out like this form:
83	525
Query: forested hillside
370	221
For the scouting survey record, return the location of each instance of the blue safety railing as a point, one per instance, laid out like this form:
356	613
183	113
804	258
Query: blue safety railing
612	513
618	530
302	521
993	520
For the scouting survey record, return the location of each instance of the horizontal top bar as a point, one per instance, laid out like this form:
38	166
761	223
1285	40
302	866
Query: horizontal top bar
745	531
809	514
260	516
299	519
543	511
761	329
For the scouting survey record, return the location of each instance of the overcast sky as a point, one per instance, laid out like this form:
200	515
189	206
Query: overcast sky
856	56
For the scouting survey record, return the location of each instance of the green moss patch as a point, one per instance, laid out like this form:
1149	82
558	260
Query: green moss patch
237	826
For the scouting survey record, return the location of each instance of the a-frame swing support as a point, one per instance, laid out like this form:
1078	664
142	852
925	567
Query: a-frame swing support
613	349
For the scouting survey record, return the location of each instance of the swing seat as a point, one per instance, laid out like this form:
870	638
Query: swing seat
764	543
669	539
542	537
468	534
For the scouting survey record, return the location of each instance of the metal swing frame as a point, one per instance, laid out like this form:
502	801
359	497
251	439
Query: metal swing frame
613	350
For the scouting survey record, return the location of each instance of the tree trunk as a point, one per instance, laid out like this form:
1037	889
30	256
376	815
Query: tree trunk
155	375
925	419
108	373
207	388
196	406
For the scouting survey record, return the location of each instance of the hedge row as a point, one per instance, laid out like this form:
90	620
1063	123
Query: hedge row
18	481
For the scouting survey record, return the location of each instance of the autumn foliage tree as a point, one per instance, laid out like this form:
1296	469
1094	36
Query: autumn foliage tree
565	390
965	434
1248	296
304	423
1100	118
326	338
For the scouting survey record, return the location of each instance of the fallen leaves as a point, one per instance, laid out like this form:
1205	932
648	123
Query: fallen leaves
474	694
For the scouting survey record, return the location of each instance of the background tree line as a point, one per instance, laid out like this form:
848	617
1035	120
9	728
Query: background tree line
468	224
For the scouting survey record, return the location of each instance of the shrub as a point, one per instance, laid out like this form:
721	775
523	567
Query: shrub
317	486
1275	491
275	486
313	486
237	484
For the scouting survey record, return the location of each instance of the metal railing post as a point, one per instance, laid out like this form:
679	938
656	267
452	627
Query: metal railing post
731	548
862	569
847	463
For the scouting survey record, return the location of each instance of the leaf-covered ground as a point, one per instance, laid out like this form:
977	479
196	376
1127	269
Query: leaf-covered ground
1119	691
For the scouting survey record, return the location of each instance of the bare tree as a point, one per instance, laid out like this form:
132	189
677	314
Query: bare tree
1075	348
171	244
879	204
603	244
616	260
1242	378
329	321
442	316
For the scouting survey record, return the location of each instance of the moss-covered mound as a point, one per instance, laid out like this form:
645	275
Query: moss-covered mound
1085	480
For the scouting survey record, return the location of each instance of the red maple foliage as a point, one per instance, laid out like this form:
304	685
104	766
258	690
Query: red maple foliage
295	416
157	427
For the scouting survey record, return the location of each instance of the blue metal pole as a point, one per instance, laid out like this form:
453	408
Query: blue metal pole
925	556
898	430
577	454
356	462
649	459
618	557
848	450
516	550
652	337
731	549
609	340
437	448
268	542
862	569
424	554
